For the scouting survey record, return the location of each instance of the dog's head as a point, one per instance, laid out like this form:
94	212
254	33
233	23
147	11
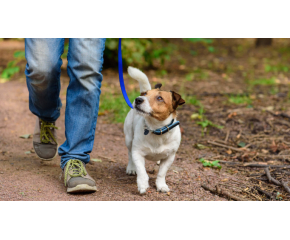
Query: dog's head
158	104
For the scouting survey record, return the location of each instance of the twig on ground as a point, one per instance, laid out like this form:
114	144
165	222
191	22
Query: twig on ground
229	147
273	156
273	180
222	192
227	136
270	178
285	186
253	164
268	195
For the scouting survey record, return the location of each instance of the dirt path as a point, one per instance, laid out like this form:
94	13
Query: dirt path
25	177
235	89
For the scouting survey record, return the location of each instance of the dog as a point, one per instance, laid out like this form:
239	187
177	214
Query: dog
151	131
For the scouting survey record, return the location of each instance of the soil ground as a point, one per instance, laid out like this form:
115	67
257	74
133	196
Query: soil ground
255	131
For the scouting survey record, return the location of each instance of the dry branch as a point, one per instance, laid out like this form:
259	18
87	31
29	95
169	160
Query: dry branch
285	186
222	193
273	180
268	195
229	147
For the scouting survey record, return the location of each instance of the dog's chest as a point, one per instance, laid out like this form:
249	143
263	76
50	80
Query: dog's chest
158	155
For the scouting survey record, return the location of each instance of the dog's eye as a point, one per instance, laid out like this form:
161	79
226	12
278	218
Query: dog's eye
144	94
159	98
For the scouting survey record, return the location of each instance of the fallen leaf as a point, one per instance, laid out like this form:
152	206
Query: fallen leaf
25	136
175	171
168	193
241	144
200	146
274	147
194	116
225	180
112	160
96	160
232	115
27	152
229	151
264	151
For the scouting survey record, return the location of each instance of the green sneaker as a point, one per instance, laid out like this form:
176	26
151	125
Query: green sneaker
44	139
76	178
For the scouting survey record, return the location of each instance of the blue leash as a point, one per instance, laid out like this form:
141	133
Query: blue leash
121	79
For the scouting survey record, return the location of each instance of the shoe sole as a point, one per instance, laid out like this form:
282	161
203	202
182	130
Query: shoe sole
82	188
46	159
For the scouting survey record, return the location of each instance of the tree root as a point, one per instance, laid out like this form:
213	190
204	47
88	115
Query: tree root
276	182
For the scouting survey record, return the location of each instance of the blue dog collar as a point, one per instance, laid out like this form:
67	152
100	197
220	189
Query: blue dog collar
164	129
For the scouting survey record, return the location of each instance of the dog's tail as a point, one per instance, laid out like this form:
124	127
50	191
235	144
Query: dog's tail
141	78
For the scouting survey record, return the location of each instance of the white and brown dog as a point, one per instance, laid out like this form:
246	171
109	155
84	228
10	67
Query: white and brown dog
151	131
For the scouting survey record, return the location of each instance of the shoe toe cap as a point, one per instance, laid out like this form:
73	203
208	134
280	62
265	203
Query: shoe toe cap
73	182
45	151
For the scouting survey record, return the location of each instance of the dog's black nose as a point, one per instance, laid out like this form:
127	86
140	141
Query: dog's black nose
139	100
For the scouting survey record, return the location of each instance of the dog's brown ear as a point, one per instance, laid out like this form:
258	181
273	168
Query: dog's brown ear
176	100
158	85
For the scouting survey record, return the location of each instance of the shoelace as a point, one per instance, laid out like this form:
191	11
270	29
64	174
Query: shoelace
77	168
46	135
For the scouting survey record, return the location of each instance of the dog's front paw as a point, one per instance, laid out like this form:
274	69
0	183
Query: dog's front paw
131	169
162	186
142	189
143	185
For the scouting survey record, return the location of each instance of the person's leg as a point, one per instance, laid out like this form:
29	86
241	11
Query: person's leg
43	81
43	76
85	60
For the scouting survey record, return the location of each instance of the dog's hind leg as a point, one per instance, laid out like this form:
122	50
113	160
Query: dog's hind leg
163	168
131	169
129	134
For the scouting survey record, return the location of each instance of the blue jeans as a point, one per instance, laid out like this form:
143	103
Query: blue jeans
85	60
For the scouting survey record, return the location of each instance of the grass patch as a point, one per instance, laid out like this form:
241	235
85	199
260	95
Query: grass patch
277	68
263	81
197	74
192	100
239	99
116	105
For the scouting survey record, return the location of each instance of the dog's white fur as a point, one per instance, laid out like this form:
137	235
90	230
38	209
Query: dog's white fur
151	147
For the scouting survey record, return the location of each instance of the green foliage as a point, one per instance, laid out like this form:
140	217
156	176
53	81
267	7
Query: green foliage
116	105
11	67
276	69
199	40
205	123
241	144
263	81
139	52
197	74
204	41
213	164
192	100
239	99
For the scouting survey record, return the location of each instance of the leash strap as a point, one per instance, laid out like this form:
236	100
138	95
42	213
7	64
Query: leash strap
121	79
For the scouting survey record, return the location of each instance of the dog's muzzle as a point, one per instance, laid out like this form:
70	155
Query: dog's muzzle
139	100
